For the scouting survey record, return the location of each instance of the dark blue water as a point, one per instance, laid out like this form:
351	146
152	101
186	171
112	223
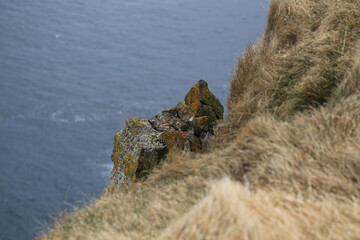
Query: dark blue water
71	72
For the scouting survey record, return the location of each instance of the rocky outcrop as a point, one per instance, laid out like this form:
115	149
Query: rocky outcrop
137	148
203	103
142	143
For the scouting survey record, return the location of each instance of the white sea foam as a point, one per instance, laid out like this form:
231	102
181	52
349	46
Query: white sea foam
56	117
103	168
78	118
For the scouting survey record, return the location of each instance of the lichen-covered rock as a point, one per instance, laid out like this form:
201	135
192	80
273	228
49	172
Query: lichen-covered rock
137	149
193	143
168	120
174	139
186	141
203	103
202	124
189	126
185	113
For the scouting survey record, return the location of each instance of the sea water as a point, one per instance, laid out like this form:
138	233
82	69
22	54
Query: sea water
71	72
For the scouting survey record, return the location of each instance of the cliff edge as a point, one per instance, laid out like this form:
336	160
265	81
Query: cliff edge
286	163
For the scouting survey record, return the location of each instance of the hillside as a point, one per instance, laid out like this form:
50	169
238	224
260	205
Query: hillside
287	160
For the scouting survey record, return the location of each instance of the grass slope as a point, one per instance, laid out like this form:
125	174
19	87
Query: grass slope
287	161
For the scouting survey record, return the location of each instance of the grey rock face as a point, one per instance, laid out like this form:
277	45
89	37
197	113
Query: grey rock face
168	120
137	148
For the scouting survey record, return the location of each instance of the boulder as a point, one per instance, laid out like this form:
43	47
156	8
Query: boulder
137	149
189	126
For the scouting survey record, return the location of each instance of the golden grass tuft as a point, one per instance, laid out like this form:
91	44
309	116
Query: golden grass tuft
231	211
307	48
287	162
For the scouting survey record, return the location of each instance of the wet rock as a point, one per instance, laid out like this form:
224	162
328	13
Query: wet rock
137	149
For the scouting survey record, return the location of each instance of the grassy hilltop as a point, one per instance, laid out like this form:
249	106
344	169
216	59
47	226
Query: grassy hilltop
287	160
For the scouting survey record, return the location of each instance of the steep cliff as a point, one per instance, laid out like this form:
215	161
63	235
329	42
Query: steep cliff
286	163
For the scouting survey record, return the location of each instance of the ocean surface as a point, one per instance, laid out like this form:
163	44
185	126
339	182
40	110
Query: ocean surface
71	72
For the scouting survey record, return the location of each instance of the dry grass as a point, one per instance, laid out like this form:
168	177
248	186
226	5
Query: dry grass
231	211
288	161
307	48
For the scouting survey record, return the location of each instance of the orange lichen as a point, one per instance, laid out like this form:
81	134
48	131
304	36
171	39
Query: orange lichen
127	163
173	139
202	121
184	111
202	102
114	155
130	166
193	99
